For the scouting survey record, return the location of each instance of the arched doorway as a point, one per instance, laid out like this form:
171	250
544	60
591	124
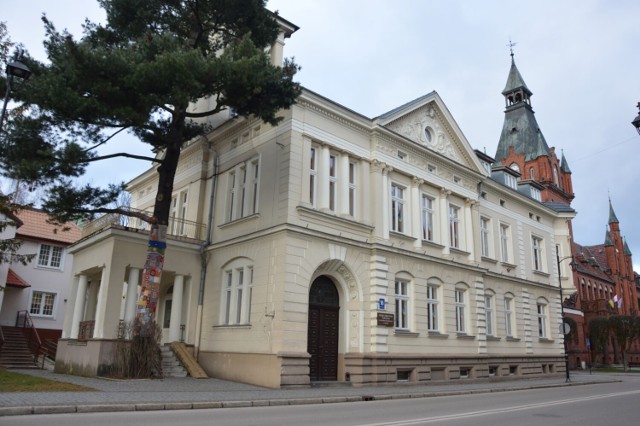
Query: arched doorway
323	327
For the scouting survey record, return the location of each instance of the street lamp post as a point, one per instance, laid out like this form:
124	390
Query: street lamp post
14	69
636	121
562	327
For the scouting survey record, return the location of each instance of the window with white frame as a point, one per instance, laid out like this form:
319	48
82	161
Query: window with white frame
536	195
237	293
541	313
432	308
179	204
504	242
454	226
536	252
397	207
461	310
242	192
485	225
489	313
508	315
50	256
332	182
42	303
511	181
402	304
352	189
313	177
427	218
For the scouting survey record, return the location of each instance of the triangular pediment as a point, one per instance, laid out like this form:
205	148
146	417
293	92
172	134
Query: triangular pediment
427	122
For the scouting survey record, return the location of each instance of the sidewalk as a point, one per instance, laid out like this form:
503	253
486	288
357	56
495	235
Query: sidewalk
189	393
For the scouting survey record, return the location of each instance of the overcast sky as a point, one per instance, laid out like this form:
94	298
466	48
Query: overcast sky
580	58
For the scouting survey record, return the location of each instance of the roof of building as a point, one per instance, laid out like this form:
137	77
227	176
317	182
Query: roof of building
607	238
564	164
36	226
514	80
612	215
15	280
559	207
591	260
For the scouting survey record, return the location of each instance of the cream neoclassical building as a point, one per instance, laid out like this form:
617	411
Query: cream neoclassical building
335	247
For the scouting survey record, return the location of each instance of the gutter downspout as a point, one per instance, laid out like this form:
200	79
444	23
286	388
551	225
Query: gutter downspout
203	255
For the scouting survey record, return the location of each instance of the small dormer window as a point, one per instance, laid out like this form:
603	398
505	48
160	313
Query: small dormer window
535	194
510	181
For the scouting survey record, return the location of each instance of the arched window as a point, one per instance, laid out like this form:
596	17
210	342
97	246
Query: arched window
555	175
532	173
514	166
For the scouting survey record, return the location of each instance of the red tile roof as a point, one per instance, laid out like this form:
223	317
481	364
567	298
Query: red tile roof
35	226
14	280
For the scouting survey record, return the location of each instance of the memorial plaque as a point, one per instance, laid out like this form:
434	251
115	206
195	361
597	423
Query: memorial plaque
386	319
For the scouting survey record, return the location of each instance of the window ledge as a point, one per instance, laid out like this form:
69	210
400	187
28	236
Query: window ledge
545	340
541	273
406	333
438	335
458	251
240	220
508	265
512	339
465	336
432	244
488	259
348	219
401	235
493	339
241	326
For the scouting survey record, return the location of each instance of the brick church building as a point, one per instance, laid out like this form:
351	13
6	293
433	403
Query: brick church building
596	281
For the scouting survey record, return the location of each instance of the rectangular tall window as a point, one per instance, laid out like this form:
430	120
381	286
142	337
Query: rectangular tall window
42	303
313	177
508	316
237	295
427	218
402	305
352	189
536	250
461	307
432	308
488	312
231	197
243	189
484	236
454	226
255	166
504	242
542	320
332	182
50	256
397	208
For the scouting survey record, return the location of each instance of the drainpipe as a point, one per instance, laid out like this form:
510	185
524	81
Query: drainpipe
203	255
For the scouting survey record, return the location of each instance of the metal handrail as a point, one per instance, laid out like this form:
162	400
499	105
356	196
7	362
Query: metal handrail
33	338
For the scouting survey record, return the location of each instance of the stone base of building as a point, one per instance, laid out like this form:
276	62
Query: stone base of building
88	358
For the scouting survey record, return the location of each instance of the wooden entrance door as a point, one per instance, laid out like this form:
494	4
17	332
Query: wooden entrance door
323	326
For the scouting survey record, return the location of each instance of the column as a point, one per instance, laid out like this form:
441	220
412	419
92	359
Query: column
176	309
416	212
468	228
343	185
386	203
101	304
363	193
323	178
443	204
78	308
132	295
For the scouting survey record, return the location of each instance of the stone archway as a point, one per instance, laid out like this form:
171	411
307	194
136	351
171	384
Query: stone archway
323	329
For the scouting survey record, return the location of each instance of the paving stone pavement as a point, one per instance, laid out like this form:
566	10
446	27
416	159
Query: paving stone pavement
190	393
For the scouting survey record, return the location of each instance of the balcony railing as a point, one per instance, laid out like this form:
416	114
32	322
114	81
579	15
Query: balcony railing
179	228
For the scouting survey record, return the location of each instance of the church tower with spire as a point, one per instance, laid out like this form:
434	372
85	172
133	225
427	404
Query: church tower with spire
523	148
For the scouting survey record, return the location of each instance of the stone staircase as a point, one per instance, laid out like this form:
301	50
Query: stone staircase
171	365
15	352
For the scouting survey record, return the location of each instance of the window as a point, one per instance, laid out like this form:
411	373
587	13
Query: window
460	311
50	256
511	181
402	155
243	188
532	173
332	182
432	308
179	203
555	175
42	303
504	242
485	224
514	166
397	208
431	168
352	189
535	194
238	293
489	314
541	308
402	305
508	315
536	249
454	226
427	218
313	177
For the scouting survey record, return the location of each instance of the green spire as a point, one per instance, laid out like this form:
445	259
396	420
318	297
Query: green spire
515	80
564	165
626	248
607	238
612	214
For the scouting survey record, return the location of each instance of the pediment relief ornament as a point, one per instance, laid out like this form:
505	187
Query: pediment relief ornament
424	127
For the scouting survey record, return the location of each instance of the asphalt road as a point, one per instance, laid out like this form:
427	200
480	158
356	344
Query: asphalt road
600	404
